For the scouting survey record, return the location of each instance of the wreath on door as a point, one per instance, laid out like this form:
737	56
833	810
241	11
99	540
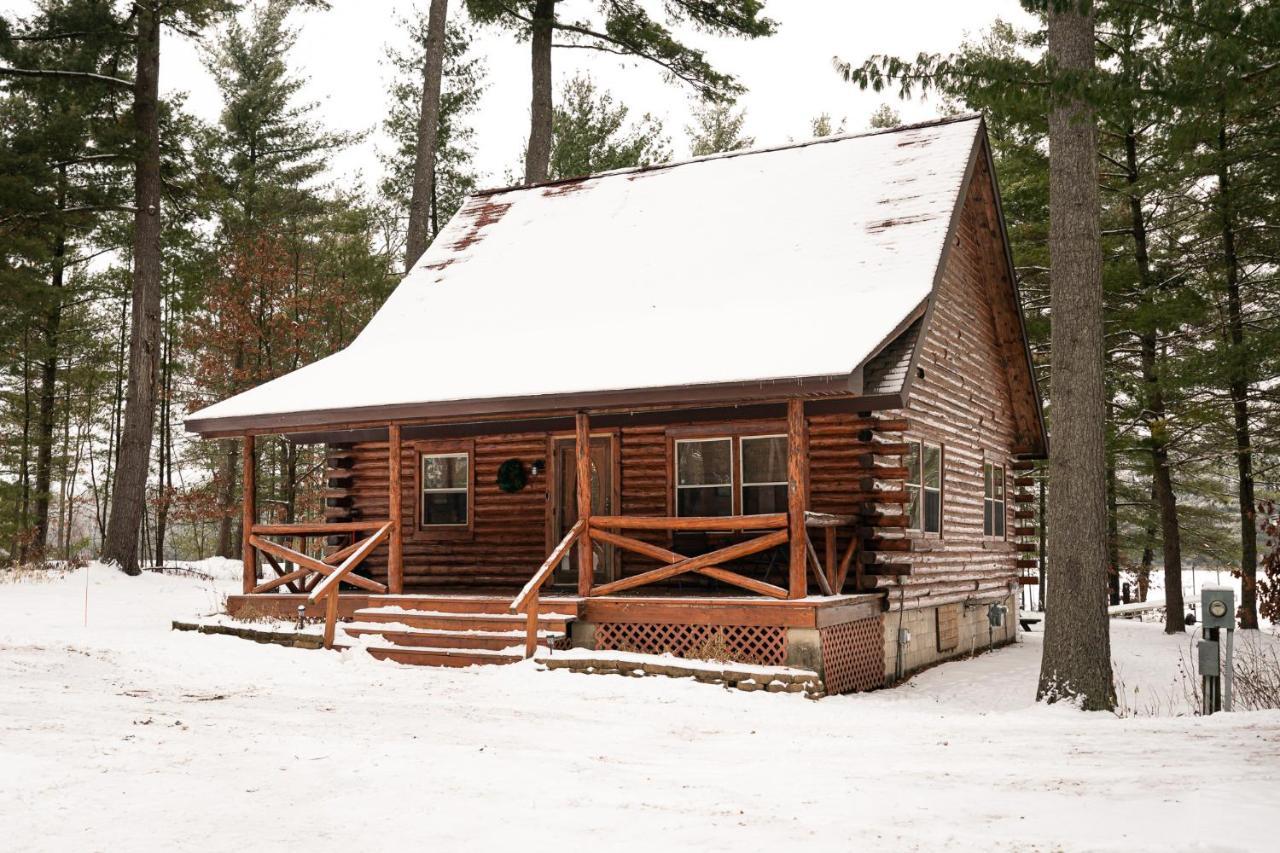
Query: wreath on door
512	476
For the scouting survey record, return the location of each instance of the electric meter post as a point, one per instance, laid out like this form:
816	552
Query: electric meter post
1218	609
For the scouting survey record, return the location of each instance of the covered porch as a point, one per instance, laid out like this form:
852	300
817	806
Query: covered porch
765	583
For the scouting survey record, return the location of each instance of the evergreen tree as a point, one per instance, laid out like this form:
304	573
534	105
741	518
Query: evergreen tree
716	128
624	28
590	134
463	83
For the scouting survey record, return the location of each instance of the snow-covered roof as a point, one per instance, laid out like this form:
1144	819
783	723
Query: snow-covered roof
747	267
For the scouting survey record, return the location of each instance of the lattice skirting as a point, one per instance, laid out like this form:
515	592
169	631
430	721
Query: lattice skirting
766	645
853	655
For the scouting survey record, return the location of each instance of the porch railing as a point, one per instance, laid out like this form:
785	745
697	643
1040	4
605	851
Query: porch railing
318	578
829	575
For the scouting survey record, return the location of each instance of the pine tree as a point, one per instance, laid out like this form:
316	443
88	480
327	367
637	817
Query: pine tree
622	28
590	133
716	128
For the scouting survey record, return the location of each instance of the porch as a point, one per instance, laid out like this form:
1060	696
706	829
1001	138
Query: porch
768	586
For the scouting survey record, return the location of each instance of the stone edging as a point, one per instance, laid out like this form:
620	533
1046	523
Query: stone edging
281	638
807	683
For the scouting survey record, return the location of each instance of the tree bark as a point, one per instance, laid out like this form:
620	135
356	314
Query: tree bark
1239	386
424	167
128	499
1154	414
1077	647
537	158
49	385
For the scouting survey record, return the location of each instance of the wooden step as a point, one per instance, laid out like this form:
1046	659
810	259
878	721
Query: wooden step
438	656
460	621
475	603
433	638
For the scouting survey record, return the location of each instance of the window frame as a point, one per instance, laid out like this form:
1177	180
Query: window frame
941	488
735	433
741	475
1003	500
424	450
675	473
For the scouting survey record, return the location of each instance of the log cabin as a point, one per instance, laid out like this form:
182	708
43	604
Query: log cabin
774	402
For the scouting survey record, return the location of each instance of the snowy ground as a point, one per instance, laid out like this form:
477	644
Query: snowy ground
125	735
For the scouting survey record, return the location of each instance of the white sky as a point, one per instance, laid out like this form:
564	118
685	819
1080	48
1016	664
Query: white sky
789	76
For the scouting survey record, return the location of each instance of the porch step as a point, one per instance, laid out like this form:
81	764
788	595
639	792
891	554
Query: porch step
475	603
423	656
442	639
446	621
463	632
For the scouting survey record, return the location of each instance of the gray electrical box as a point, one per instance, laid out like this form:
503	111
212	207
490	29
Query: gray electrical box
1209	665
1218	607
995	615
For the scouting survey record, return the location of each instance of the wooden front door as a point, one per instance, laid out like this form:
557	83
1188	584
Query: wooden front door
566	504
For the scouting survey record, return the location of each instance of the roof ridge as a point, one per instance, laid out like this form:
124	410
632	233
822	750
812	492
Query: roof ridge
725	155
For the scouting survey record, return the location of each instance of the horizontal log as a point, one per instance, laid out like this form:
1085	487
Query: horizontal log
896	570
1022	465
1028	564
883	545
1023	498
718	522
1028	580
880	519
320	529
824	519
1026	531
1026	547
1024	514
723	555
1024	482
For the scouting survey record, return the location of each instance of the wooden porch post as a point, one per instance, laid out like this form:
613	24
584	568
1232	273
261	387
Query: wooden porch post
249	516
797	496
395	557
582	450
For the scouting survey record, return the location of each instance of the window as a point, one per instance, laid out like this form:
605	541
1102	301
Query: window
993	500
446	486
764	474
704	477
924	486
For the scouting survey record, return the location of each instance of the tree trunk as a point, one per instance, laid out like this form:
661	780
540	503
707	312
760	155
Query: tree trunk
424	167
164	448
49	386
1153	408
1239	386
1113	520
1077	645
21	533
537	158
128	500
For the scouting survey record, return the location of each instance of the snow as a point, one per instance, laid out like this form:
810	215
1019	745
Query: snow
822	249
126	735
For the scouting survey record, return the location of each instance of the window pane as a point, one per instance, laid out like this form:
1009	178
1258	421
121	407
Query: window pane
704	463
998	510
764	460
932	511
912	461
444	472
914	511
986	480
986	516
758	500
444	508
997	482
717	500
933	466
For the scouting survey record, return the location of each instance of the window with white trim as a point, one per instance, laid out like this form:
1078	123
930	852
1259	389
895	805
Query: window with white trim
993	500
704	476
446	484
924	486
764	474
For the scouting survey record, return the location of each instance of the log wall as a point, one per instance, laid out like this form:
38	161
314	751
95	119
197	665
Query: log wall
961	398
